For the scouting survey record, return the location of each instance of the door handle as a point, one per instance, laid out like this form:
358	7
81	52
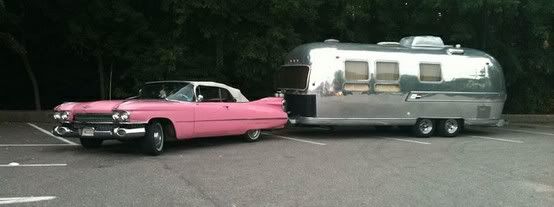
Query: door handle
415	96
227	107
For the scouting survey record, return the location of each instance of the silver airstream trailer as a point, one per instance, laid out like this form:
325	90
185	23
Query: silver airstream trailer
417	82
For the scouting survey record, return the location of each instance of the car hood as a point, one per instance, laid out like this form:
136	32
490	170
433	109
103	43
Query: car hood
106	106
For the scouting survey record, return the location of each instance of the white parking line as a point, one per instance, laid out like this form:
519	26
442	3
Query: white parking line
296	139
527	131
407	140
12	200
50	134
538	187
15	164
498	139
34	145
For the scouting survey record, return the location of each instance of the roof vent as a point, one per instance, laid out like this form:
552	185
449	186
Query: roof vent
456	50
389	43
422	41
331	41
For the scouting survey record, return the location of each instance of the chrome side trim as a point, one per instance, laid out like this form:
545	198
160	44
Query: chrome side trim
460	92
120	123
385	121
133	122
485	122
353	121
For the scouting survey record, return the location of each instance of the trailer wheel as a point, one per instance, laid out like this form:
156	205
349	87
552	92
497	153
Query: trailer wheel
449	127
424	128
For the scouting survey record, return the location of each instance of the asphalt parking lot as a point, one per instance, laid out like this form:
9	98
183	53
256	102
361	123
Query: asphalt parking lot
511	166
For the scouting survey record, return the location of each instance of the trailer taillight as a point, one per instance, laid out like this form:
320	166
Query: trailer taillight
279	94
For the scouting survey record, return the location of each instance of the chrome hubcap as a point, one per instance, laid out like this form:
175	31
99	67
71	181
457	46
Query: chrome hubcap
158	138
425	126
254	134
451	126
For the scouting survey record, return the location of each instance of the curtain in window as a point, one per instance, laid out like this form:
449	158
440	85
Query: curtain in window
430	72
387	71
356	70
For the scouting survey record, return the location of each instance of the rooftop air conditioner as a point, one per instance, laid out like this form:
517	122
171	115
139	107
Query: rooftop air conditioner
422	41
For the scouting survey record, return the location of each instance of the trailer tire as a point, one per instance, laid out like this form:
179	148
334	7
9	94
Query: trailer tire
424	128
449	127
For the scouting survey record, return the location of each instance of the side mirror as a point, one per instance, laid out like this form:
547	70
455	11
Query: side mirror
200	98
140	92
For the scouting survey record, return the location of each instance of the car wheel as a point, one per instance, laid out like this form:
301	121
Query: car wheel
90	143
252	135
424	128
153	142
449	127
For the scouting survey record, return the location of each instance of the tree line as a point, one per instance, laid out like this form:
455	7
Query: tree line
67	50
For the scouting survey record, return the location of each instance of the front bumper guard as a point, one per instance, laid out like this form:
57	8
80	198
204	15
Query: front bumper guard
118	133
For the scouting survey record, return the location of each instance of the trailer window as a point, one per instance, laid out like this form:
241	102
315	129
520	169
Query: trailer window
430	72
356	70
292	77
387	71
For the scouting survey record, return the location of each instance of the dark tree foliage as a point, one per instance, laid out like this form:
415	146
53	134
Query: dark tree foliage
75	48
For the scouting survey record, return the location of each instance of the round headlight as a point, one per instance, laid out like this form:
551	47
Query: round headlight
124	116
115	116
120	116
64	116
57	115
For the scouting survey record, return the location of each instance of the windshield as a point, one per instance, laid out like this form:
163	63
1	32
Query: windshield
180	91
184	94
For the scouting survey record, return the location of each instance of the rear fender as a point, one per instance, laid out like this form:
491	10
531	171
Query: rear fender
276	102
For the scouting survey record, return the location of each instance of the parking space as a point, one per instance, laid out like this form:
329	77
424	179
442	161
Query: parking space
512	166
22	133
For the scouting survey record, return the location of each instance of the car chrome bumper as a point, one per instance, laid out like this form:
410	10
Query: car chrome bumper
116	133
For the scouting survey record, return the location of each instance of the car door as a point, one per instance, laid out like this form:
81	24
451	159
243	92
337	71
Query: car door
213	113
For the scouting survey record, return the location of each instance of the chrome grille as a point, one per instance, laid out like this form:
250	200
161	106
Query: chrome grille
93	118
97	127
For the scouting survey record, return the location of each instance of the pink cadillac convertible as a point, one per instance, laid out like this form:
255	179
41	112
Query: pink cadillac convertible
169	110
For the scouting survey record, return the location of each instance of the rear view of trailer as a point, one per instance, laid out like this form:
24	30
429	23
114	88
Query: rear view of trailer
417	82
